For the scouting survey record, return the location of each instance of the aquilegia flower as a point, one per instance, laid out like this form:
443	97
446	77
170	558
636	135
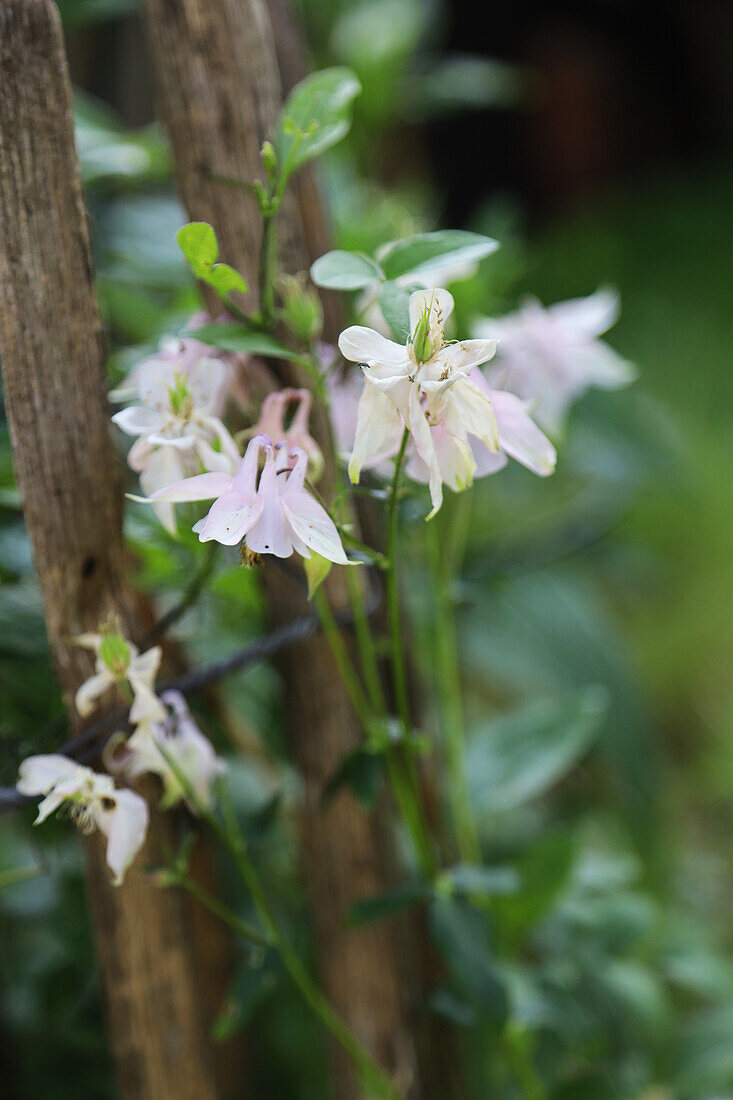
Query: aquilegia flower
272	511
296	434
94	802
422	384
549	356
120	662
519	438
182	742
177	429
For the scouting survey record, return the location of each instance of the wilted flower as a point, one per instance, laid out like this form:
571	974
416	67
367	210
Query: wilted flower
178	433
271	510
94	801
549	356
418	386
272	424
118	662
182	742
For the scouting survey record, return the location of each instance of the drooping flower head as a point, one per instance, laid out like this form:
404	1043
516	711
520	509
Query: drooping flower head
272	423
120	662
422	384
182	742
94	802
270	510
549	356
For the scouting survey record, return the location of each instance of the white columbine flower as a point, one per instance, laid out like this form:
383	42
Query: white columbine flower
184	743
94	801
177	429
119	661
419	385
549	356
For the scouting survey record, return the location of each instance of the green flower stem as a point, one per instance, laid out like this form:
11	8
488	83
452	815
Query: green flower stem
401	766
451	701
268	265
365	643
344	664
229	834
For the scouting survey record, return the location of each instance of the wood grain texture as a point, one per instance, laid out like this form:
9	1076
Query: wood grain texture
53	370
220	92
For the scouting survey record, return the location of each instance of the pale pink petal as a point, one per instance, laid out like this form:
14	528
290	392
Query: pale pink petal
229	518
163	468
312	525
588	317
269	535
200	487
378	429
520	437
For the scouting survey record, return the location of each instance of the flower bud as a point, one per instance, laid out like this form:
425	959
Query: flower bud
301	308
114	652
268	157
421	343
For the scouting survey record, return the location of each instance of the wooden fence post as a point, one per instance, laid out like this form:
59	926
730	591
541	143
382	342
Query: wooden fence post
220	94
53	370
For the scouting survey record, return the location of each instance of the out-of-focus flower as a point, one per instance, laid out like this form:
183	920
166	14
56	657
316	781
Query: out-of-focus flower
94	802
420	385
549	356
183	743
271	510
272	424
519	438
119	662
178	433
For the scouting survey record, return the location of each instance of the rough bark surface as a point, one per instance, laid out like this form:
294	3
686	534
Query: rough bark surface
220	92
53	370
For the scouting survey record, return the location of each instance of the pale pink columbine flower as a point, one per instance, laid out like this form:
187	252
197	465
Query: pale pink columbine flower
296	434
519	438
272	511
154	744
94	801
549	356
421	384
178	433
120	662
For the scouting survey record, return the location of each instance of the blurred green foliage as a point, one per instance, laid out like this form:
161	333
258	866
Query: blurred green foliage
595	635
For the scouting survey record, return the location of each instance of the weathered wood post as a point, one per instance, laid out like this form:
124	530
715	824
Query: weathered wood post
53	370
220	93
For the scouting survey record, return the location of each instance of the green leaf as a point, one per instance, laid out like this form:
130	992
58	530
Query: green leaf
251	987
341	270
517	757
360	770
382	906
394	301
231	336
197	241
462	936
316	115
427	253
317	569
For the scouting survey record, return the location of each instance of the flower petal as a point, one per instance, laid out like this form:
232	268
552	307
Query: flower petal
378	429
90	690
312	524
465	355
588	317
520	437
423	440
125	827
137	420
38	774
465	409
364	345
201	487
229	518
437	300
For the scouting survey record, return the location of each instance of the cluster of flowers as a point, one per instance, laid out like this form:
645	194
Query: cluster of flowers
165	741
464	421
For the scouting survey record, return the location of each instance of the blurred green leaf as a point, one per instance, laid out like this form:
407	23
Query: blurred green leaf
482	881
317	569
394	302
231	336
360	770
251	988
517	757
462	936
315	116
428	253
341	270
